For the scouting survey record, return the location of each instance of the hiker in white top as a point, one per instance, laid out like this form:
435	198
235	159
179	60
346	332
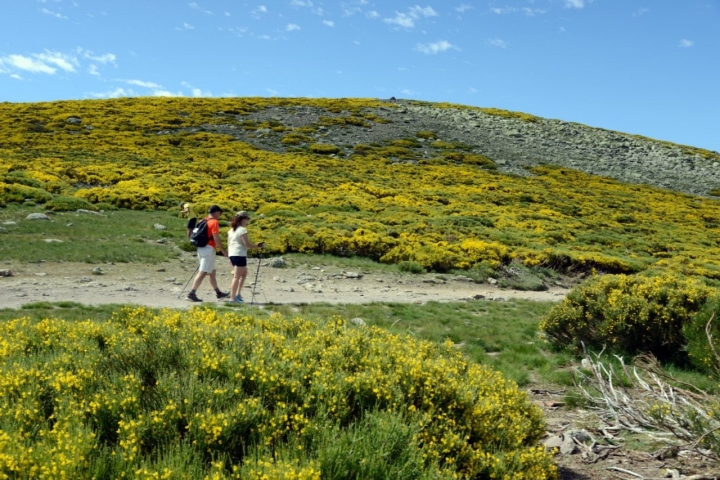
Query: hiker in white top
238	245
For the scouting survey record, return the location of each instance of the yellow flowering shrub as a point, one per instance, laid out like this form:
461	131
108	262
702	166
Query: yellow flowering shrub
128	153
202	394
631	314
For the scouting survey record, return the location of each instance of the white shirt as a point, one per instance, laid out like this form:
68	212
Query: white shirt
236	247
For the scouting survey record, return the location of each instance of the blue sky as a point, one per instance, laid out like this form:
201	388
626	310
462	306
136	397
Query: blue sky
650	67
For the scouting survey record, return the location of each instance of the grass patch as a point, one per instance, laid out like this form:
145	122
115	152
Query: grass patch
116	236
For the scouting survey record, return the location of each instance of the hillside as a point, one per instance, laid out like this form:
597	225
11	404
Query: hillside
440	185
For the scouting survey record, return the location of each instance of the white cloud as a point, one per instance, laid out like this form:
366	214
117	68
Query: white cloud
574	3
401	19
144	84
259	10
227	14
196	92
407	91
329	23
93	70
60	60
685	43
272	92
503	10
301	3
28	64
185	26
407	20
166	93
118	92
419	11
640	12
496	42
372	14
53	14
104	58
292	27
433	48
472	90
531	12
16	76
462	8
195	6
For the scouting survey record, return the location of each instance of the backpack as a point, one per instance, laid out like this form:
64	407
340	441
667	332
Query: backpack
199	236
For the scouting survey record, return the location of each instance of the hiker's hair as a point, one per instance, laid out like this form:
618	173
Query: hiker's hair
236	221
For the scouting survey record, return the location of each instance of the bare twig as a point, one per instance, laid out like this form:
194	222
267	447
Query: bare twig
627	472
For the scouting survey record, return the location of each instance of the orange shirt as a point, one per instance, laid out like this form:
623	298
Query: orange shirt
213	227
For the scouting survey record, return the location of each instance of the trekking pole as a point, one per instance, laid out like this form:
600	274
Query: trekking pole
188	282
257	272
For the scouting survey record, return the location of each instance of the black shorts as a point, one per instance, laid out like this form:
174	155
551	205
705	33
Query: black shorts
238	261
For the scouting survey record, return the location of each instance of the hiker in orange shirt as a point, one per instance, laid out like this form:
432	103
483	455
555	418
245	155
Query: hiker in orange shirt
206	255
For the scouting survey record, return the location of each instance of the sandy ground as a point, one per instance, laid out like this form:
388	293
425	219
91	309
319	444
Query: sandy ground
162	285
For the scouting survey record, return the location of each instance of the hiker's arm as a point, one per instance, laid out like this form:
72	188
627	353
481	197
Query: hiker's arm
248	244
218	242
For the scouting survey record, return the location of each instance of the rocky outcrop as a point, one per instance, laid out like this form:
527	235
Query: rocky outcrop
513	143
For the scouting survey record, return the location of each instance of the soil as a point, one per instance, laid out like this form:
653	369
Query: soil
163	285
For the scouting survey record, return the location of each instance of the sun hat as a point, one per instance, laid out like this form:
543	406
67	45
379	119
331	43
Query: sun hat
214	209
242	214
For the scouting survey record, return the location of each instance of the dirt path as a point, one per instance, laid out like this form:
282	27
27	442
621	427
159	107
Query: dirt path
159	285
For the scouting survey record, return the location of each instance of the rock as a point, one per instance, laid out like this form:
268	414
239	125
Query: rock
9	223
84	280
98	271
315	268
3	230
160	227
478	297
358	322
52	240
73	120
492	281
161	269
585	364
170	279
37	216
304	278
161	241
69	224
6	273
277	262
354	275
581	436
90	212
129	288
41	274
463	278
553	441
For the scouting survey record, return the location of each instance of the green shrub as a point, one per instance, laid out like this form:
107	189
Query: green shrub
67	204
699	348
18	193
426	135
629	314
295	139
443	145
411	266
324	149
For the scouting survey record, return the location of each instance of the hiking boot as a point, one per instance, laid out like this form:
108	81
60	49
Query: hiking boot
220	295
193	297
238	299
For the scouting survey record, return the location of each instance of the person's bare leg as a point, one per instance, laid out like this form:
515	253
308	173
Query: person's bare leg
243	274
213	280
198	280
234	285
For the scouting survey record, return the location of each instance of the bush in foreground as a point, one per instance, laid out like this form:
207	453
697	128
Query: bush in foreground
631	314
198	393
